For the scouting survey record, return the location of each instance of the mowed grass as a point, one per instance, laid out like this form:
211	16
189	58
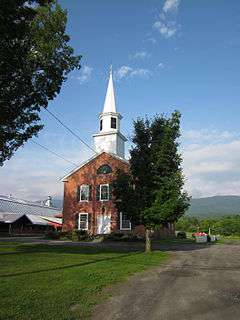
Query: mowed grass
62	282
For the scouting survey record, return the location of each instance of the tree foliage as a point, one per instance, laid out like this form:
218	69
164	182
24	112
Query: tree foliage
170	201
155	181
226	226
35	58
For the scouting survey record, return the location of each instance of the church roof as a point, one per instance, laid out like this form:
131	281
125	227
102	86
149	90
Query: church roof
110	104
91	159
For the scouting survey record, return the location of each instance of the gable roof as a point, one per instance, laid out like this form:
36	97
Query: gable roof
18	206
34	219
9	217
91	159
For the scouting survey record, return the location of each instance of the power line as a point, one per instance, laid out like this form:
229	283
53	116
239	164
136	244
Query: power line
66	127
70	130
57	155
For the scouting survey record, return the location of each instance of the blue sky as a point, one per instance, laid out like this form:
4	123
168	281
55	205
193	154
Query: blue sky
166	55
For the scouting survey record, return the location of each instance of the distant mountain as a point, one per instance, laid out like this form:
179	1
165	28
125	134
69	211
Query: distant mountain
201	207
215	206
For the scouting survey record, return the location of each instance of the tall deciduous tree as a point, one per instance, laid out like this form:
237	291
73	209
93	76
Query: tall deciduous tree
35	58
155	181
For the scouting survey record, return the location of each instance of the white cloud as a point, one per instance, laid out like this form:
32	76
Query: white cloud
141	72
167	28
127	72
85	74
211	163
166	23
123	72
211	136
33	173
171	5
140	55
152	40
161	65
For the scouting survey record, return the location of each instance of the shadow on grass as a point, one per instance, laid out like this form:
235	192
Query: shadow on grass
122	251
70	248
104	247
191	246
67	266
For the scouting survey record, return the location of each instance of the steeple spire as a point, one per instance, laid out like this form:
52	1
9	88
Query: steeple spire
109	104
110	139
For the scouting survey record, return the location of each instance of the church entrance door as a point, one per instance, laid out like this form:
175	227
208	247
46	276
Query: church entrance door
104	224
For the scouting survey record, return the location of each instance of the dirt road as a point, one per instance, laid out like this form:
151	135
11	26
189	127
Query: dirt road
196	284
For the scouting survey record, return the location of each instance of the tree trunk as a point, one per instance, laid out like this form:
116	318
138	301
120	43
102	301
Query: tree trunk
148	241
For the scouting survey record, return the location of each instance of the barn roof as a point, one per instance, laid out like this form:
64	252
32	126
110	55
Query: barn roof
34	219
9	217
12	205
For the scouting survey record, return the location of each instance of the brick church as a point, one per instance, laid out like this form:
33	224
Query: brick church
88	200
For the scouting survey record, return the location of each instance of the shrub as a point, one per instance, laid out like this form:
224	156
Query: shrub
53	235
131	238
117	236
78	235
65	235
114	236
181	235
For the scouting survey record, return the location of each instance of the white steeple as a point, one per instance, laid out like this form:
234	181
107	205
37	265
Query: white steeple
109	104
109	138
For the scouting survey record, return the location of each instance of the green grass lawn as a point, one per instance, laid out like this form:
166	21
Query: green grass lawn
229	240
62	282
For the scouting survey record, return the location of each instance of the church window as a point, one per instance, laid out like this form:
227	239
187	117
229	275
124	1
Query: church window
104	192
104	169
100	125
113	123
83	221
85	193
125	223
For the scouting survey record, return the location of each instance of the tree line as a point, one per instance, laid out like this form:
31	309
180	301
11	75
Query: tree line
225	225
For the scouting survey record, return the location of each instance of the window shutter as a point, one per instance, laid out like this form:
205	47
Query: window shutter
76	220
78	193
89	220
110	191
90	193
98	193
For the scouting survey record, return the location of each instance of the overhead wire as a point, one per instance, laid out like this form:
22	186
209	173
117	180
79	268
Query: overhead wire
54	153
70	130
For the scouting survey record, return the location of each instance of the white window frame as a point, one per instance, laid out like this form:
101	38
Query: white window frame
80	195
121	223
79	220
100	191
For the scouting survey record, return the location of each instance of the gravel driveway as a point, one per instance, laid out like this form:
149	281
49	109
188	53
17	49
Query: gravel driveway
196	284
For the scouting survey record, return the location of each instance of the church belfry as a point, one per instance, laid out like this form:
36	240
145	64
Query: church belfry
109	138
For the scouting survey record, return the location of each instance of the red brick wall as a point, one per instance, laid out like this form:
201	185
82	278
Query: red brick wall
88	175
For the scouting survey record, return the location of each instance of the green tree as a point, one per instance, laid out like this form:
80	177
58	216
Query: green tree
35	58
125	196
188	224
170	200
155	178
